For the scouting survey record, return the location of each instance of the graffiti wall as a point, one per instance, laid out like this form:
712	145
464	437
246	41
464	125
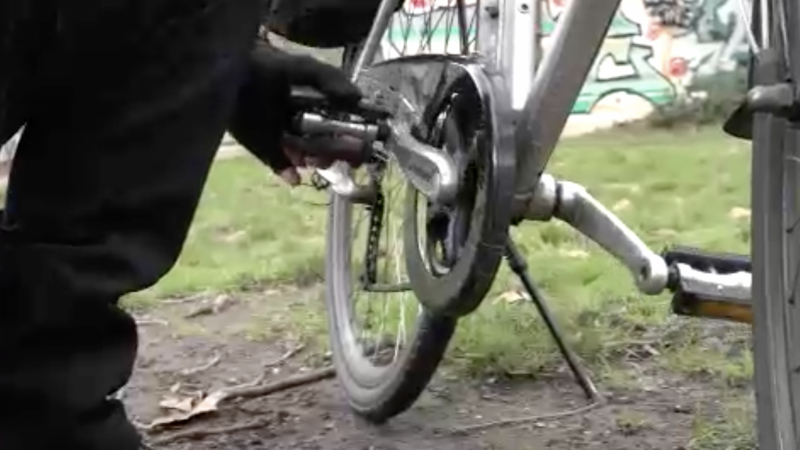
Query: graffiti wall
653	53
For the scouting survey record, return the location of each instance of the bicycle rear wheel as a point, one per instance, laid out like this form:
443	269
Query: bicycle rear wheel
775	234
384	364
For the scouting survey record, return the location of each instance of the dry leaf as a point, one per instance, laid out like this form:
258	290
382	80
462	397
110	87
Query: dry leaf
235	237
512	296
184	404
652	351
575	253
739	213
207	405
220	303
202	310
621	205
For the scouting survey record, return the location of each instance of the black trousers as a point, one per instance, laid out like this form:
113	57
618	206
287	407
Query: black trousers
124	103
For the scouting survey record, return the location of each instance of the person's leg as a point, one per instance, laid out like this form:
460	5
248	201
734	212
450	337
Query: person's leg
102	192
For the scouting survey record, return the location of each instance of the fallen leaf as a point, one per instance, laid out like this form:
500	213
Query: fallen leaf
651	350
235	237
202	310
184	404
739	213
221	302
208	405
575	253
621	205
512	296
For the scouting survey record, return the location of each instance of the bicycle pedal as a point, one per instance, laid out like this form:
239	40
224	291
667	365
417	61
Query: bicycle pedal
707	261
710	284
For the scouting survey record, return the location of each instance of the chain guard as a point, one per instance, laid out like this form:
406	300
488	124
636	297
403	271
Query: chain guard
416	90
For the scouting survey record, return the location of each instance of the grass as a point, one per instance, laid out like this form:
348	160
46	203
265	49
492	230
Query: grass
248	230
731	430
670	189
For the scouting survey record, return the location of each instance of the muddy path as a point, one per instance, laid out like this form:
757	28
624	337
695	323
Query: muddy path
192	348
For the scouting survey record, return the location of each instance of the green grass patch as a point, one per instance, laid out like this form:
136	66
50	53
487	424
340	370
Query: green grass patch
249	229
733	429
688	188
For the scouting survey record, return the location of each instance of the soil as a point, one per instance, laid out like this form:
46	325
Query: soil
224	348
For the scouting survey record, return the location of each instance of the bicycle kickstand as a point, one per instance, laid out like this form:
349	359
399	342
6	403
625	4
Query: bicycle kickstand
519	266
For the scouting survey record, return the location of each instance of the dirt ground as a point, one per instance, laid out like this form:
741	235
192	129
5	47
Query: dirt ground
188	351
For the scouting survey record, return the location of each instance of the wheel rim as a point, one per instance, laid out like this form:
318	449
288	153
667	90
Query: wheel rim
357	359
373	345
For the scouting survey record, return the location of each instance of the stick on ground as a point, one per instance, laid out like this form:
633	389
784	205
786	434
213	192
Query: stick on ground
200	433
280	385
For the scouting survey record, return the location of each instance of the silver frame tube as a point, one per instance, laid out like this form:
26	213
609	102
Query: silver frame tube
578	36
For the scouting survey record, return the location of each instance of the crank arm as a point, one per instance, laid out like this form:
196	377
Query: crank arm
704	284
571	203
432	171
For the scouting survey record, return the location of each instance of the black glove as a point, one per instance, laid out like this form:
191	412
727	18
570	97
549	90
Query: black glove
263	111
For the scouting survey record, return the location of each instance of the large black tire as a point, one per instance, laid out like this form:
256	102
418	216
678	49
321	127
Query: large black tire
375	393
776	245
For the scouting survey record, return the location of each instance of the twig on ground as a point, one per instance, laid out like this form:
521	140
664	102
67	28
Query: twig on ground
285	356
200	433
195	370
147	321
187	299
255	382
523	420
239	392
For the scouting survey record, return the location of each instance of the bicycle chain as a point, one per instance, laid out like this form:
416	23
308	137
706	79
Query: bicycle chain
373	241
377	208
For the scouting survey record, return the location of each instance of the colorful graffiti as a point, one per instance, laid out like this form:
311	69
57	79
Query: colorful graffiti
654	50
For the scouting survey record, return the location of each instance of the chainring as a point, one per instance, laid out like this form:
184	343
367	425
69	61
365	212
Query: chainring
424	92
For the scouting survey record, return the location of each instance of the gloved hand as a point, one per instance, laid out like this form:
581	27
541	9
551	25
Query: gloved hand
262	113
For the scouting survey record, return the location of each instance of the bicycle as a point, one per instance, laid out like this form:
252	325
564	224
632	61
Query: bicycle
471	126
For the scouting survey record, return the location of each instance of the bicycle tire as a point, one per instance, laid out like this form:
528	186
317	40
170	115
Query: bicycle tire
775	196
375	398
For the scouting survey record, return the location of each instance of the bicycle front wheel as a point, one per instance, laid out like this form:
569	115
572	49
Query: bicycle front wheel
776	234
